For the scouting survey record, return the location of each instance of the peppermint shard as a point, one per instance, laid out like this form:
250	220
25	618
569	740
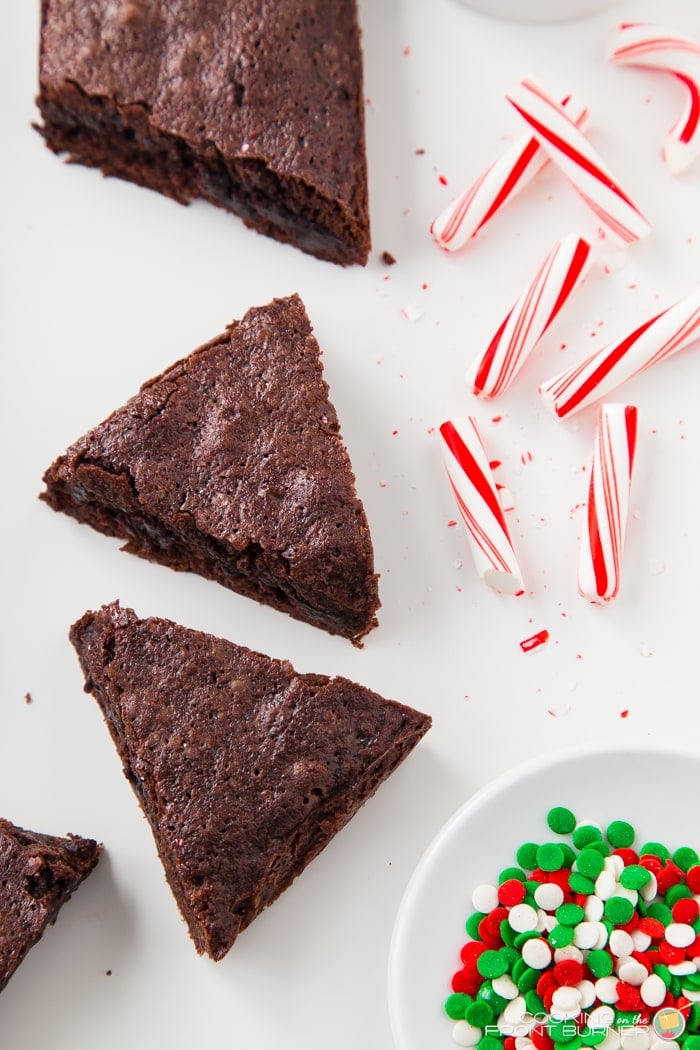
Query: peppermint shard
38	874
244	769
256	107
230	464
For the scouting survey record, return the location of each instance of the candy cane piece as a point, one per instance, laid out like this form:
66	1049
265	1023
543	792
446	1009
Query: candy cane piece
655	47
464	217
579	162
560	273
658	338
600	562
472	482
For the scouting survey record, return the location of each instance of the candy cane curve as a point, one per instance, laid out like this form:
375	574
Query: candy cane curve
656	47
600	561
579	162
496	186
555	281
474	489
656	339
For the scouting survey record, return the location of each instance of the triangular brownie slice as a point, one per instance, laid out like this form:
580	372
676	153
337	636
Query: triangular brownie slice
244	768
231	464
256	107
38	873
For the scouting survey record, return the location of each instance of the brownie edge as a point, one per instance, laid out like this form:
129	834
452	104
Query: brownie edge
256	106
38	874
231	464
244	769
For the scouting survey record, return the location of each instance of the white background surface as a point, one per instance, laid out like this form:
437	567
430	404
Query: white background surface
104	284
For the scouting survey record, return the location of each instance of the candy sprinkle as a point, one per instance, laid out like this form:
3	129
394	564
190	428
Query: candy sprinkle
584	943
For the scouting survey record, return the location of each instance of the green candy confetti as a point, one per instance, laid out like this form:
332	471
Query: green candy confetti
561	820
620	834
456	1005
550	857
585	834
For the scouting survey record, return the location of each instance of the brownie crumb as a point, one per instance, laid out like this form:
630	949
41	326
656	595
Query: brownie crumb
28	699
388	259
420	152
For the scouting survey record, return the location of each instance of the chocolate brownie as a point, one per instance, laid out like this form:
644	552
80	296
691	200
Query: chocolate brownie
244	768
254	105
38	873
231	464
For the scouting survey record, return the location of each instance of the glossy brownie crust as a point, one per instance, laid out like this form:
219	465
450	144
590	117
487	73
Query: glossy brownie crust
244	769
254	105
231	464
38	873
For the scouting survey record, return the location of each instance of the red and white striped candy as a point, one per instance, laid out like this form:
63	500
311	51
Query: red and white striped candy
577	159
600	561
654	47
477	498
464	217
560	273
655	340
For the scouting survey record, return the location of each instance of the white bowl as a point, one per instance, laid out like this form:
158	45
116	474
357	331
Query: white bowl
538	10
653	788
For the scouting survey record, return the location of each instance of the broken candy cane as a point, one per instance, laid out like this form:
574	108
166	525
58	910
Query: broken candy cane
477	498
579	162
464	217
654	47
655	340
600	561
560	273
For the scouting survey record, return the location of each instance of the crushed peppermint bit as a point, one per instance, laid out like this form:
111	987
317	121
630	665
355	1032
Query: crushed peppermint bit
506	498
534	641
